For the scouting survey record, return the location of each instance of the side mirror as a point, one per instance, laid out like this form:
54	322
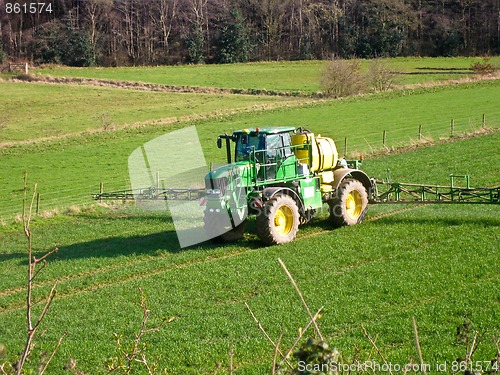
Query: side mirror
219	142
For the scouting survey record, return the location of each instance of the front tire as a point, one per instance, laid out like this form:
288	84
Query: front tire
218	232
279	220
350	203
234	234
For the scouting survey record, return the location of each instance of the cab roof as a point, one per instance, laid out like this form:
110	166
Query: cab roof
275	130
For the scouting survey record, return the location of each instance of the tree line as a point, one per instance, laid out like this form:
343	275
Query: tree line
152	32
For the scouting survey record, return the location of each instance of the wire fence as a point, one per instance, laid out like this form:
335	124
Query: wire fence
398	136
79	189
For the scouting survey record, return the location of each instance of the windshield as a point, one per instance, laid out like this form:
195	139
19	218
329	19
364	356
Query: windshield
245	143
271	146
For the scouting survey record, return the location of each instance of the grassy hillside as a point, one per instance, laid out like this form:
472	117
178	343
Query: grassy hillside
437	263
282	76
32	111
69	170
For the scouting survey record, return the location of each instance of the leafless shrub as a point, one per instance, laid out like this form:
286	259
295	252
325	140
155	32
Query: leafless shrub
379	77
342	78
35	266
134	352
105	121
483	67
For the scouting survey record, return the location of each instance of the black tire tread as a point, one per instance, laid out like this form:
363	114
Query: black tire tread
343	190
264	225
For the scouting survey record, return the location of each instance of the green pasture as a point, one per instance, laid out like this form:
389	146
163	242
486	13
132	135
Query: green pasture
303	76
32	111
436	263
281	76
362	120
69	170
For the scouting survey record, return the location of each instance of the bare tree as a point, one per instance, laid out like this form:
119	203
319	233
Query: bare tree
167	13
35	266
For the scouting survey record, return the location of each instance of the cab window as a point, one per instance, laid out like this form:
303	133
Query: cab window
244	145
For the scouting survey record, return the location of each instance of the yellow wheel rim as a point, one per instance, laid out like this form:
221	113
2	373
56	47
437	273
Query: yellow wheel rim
354	204
283	221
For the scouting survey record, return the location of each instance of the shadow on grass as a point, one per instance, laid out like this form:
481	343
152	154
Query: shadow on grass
147	244
119	244
446	69
160	241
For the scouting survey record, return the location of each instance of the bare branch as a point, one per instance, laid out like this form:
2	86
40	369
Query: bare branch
472	348
275	356
302	299
50	298
53	251
376	348
231	355
31	275
52	354
266	335
417	344
302	331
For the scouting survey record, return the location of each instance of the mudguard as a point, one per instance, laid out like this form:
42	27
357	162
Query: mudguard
340	174
270	192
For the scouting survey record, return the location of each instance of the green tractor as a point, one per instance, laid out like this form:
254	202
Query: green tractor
283	176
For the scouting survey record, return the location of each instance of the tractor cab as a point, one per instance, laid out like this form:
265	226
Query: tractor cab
263	146
267	150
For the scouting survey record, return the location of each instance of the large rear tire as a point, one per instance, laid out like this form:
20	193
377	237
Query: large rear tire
279	220
350	203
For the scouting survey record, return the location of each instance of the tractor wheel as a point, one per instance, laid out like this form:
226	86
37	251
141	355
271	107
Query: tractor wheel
213	228
350	204
278	222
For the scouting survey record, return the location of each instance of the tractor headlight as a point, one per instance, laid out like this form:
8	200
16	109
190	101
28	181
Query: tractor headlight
213	192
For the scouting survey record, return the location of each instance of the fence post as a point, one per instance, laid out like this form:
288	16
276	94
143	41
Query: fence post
101	190
345	147
419	132
452	130
384	138
37	203
483	124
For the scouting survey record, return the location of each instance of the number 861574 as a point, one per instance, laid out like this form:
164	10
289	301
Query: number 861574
28	8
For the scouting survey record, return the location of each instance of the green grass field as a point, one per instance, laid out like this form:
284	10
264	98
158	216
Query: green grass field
282	76
69	170
431	262
31	111
438	263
